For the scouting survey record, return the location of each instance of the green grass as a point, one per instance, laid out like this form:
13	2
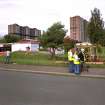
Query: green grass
101	53
38	58
34	59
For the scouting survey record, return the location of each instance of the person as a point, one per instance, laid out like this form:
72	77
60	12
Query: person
70	59
7	57
81	55
76	63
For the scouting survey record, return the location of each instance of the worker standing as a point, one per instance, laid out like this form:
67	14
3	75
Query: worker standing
70	59
76	63
7	56
81	55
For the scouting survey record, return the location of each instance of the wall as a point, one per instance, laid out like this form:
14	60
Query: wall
22	47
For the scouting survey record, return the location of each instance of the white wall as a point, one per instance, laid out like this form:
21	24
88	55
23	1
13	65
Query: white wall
22	47
34	47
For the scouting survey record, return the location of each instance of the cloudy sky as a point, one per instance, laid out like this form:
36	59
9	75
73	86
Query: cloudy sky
42	14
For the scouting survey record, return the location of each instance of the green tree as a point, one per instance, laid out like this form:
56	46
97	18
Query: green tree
11	38
102	39
2	40
96	27
53	37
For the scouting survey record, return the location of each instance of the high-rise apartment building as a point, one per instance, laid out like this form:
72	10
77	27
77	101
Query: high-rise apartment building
78	29
24	31
14	29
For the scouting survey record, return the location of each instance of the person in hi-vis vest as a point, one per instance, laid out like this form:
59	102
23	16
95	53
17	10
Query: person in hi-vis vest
76	63
70	59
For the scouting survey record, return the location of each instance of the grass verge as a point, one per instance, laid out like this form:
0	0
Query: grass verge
38	58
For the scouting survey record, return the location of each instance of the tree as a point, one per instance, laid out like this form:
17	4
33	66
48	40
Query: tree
102	39
96	27
53	37
2	40
69	43
11	38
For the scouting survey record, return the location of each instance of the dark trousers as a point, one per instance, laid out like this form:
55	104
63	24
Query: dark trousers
7	59
81	66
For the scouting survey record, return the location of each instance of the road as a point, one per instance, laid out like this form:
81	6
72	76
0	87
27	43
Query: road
18	88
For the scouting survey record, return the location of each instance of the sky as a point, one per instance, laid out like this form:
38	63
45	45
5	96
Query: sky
41	14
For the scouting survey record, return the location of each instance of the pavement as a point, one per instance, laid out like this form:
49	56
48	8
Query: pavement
61	71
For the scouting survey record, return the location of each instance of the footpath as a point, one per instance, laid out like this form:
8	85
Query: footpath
61	71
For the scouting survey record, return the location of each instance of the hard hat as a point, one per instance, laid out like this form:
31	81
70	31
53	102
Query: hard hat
82	50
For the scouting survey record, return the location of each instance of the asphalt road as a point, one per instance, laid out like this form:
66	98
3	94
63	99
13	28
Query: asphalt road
18	88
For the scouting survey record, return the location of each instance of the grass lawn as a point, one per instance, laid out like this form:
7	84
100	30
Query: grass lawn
36	58
39	58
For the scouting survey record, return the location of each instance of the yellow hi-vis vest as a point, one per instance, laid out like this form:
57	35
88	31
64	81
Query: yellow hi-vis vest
70	56
76	59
